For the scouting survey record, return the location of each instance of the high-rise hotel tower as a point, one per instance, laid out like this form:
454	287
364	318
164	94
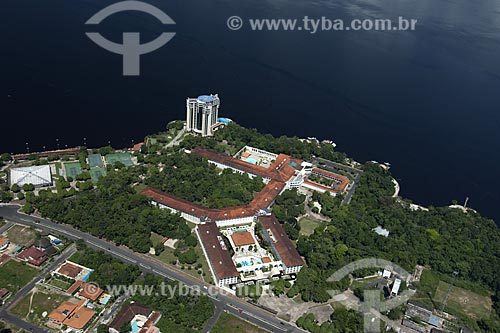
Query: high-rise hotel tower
202	113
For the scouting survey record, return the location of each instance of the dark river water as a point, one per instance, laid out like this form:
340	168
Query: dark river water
427	101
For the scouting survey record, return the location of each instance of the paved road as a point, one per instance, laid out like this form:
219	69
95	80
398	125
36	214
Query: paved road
211	322
350	192
5	227
26	289
175	141
231	303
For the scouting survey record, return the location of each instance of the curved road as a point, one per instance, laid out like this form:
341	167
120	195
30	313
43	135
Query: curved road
222	300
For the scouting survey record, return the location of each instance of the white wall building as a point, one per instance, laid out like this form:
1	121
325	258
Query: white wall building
202	113
37	175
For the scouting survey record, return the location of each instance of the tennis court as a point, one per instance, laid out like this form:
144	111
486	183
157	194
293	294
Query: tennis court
95	161
72	169
119	157
96	173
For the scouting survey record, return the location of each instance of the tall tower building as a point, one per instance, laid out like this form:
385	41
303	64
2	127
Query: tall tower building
202	113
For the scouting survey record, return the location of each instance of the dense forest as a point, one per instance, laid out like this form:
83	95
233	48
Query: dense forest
287	208
442	239
107	270
239	136
192	178
113	211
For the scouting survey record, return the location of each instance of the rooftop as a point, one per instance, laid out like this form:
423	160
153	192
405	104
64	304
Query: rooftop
69	269
262	200
282	169
90	291
206	98
242	238
36	175
80	318
344	181
127	313
281	243
219	257
62	311
31	253
3	292
74	287
3	241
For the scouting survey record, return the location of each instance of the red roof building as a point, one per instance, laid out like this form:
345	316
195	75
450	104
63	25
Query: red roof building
219	258
242	238
4	258
3	292
281	244
33	256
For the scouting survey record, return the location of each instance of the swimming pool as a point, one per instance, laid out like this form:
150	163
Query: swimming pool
245	263
106	300
135	327
251	160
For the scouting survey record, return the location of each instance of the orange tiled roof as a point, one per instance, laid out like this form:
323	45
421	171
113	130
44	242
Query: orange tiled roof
262	200
63	311
344	181
3	241
69	269
74	287
80	318
90	291
280	170
242	238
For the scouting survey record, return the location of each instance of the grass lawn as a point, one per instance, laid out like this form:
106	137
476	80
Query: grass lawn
63	285
363	282
33	305
464	301
140	187
58	168
21	235
307	226
15	275
228	323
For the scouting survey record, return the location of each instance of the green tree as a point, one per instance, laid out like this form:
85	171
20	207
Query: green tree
28	208
28	187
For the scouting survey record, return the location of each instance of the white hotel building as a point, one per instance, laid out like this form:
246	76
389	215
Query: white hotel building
202	113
